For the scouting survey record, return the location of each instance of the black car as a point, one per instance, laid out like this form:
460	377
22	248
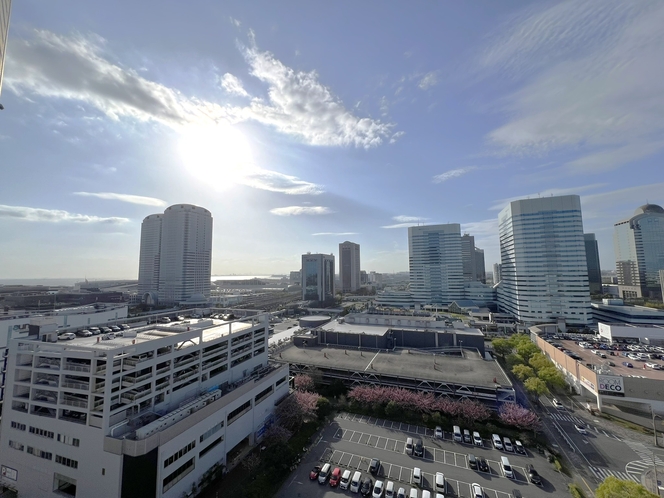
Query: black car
481	463
374	466
366	486
472	462
419	448
533	476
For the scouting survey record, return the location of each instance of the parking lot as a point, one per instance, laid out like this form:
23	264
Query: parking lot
351	441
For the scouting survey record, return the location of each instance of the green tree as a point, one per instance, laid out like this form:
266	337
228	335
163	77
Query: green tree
539	361
502	347
323	408
536	386
513	359
552	376
613	487
392	409
523	372
526	350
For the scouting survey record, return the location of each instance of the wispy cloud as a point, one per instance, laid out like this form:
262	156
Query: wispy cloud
301	210
235	22
233	85
404	221
298	104
23	213
335	234
453	173
501	203
428	80
595	81
132	199
278	182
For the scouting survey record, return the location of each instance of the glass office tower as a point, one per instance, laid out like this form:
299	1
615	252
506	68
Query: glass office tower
317	277
543	261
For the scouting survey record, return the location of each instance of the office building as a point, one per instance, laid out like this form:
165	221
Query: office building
175	262
5	11
435	263
295	278
317	277
639	247
468	257
152	414
543	258
349	266
480	271
497	273
592	260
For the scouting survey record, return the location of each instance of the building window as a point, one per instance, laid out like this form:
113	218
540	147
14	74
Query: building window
282	380
178	454
67	462
214	443
16	445
41	432
170	480
18	426
260	396
40	453
238	411
71	441
211	431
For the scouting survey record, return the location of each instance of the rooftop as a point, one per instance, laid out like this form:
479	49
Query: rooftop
469	370
368	328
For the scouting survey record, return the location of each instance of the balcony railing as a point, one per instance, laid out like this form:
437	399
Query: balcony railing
77	367
84	386
74	402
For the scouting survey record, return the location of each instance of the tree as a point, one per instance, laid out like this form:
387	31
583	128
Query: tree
276	434
297	408
552	376
472	411
526	350
612	487
513	359
303	382
323	408
536	386
539	361
502	347
523	372
518	416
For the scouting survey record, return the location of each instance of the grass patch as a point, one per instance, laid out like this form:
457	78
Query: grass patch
575	491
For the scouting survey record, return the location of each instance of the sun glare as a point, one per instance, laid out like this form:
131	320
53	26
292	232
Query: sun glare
219	154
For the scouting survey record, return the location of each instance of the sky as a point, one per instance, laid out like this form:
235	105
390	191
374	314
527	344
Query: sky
300	125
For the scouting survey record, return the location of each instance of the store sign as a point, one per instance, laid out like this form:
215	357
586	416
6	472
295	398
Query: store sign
588	384
611	385
9	473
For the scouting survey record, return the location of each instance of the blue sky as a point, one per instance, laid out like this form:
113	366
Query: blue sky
304	124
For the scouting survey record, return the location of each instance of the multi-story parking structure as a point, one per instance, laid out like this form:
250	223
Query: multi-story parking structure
153	413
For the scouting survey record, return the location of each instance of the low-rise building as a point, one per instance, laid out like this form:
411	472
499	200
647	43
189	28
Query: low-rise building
150	414
614	311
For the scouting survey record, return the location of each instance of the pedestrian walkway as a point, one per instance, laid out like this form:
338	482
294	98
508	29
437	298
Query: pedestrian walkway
602	473
645	453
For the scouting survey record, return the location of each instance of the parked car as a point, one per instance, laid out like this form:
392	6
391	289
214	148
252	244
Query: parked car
477	439
518	447
401	493
324	474
105	330
472	462
497	441
84	333
94	330
438	433
115	328
66	336
378	489
477	490
627	364
533	475
374	466
482	464
366	486
313	474
334	478
124	326
507	444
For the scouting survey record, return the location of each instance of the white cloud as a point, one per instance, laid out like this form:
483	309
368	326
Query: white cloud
428	80
336	234
235	22
501	203
132	199
78	68
595	81
407	219
397	136
233	85
300	210
453	173
278	182
53	216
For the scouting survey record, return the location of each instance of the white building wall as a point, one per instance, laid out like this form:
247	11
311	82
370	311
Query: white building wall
148	262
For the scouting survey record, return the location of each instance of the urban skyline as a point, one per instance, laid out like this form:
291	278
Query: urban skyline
265	128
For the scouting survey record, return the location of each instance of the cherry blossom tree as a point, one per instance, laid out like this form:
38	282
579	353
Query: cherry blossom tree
518	416
276	434
297	408
303	382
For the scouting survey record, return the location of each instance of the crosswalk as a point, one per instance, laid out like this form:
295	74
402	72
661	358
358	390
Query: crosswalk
565	417
602	473
645	453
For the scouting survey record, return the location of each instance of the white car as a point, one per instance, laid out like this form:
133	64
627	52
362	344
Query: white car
557	403
401	493
67	336
378	490
477	439
477	490
580	429
438	433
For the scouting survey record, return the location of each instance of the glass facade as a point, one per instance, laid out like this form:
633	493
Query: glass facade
317	277
592	259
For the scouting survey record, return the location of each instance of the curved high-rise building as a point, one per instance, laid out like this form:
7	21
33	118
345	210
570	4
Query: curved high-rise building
543	261
5	10
176	255
639	245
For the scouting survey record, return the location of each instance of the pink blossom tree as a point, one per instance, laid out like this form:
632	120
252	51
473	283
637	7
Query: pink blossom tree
518	416
303	382
472	411
276	434
297	408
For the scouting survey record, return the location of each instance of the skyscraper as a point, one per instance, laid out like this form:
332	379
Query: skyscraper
317	277
639	246
592	259
5	11
543	258
497	273
349	266
480	270
468	257
175	262
436	267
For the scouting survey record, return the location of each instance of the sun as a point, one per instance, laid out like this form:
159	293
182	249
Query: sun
218	154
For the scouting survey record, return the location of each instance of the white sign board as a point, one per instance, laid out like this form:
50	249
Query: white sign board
610	384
